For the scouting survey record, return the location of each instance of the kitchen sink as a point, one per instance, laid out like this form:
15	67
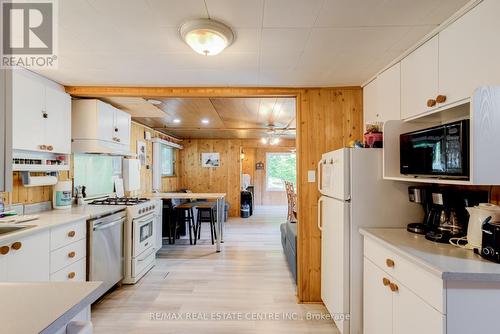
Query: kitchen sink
11	229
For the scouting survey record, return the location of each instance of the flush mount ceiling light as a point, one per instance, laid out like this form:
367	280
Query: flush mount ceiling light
206	36
205	121
176	121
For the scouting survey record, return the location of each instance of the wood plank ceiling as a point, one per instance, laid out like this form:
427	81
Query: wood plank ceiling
226	117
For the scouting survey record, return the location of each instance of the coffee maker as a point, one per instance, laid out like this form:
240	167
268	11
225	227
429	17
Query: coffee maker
421	195
449	216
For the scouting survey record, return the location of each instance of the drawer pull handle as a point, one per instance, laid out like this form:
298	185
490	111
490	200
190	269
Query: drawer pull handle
4	250
16	245
431	103
390	263
441	99
71	254
385	281
394	287
71	234
71	275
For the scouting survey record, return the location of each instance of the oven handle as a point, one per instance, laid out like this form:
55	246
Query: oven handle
146	219
108	225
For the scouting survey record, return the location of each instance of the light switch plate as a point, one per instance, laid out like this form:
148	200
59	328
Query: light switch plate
311	176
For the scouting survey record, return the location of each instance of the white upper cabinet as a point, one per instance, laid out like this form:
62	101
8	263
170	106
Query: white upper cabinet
389	94
469	52
58	122
121	127
28	106
41	114
419	79
99	127
370	103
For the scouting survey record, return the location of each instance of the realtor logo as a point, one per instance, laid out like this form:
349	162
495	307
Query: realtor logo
28	33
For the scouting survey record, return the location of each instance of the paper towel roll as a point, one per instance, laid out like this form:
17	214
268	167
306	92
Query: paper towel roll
35	181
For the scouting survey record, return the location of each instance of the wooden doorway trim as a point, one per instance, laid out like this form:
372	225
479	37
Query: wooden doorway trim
327	119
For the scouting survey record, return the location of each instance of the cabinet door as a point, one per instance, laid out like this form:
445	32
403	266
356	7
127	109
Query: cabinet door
419	79
30	263
389	94
28	105
412	315
106	121
377	301
468	53
58	121
122	127
370	104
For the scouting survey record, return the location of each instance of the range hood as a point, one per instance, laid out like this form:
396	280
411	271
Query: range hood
95	146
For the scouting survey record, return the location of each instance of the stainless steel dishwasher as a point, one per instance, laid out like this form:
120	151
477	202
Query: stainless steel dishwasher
105	249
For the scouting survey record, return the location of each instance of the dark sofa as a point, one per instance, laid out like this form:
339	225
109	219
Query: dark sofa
289	243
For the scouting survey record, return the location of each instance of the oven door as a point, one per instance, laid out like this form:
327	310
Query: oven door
144	234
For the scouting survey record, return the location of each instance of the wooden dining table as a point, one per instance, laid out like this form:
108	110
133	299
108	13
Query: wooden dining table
218	197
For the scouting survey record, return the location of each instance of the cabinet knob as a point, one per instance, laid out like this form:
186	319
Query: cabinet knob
441	99
16	245
50	147
71	234
71	254
44	114
431	103
4	250
43	147
390	263
71	275
394	287
118	139
116	129
386	281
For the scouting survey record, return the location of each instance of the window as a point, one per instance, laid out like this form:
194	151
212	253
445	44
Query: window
167	161
280	167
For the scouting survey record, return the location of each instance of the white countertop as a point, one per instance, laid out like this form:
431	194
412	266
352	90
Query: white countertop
186	195
54	218
38	307
444	260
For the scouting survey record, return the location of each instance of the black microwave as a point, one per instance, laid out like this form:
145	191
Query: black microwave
440	151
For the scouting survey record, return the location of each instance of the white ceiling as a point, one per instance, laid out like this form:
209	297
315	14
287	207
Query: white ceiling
279	42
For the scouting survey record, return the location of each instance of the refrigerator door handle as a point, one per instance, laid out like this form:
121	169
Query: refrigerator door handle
320	169
320	218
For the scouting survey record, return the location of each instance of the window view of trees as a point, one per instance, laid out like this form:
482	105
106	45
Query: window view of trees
280	167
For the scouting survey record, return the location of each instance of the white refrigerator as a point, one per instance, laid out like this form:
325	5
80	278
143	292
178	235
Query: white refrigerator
354	195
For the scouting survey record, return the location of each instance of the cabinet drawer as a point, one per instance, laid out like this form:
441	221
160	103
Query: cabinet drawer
67	255
64	235
76	272
424	284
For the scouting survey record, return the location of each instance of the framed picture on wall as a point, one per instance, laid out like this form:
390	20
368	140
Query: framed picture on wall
211	159
141	152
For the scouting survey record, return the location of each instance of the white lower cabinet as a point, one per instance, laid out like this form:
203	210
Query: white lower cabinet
27	259
398	296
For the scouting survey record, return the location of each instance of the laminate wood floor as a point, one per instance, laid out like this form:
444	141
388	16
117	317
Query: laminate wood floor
246	288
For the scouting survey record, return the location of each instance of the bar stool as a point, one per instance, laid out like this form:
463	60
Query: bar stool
184	214
206	214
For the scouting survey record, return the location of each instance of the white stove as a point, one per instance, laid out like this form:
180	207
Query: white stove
139	236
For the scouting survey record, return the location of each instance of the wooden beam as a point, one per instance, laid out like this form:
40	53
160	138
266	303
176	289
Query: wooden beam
101	91
223	129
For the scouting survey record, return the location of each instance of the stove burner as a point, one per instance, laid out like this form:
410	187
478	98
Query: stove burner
119	201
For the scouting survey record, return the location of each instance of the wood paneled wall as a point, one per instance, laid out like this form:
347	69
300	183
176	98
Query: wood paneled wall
258	177
327	119
223	179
